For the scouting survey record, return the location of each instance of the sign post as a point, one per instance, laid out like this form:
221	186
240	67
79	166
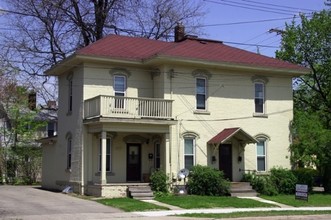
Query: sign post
301	192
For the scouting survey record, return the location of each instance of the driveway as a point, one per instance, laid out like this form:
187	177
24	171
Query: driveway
26	202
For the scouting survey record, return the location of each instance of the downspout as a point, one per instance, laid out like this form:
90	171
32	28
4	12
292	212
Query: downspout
82	170
171	75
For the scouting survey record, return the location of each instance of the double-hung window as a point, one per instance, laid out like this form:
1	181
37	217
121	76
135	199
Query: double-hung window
261	155
70	94
119	89
189	152
259	97
69	151
108	155
201	93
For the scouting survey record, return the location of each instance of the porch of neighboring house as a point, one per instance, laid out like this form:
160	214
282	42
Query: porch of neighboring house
127	139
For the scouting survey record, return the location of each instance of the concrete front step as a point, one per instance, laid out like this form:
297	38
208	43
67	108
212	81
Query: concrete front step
245	194
239	189
141	192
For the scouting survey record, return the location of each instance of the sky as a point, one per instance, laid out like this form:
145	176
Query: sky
222	18
223	12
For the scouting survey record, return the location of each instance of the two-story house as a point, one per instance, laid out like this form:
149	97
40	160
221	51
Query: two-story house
129	105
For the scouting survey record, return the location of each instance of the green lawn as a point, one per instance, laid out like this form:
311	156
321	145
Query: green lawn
130	205
313	200
256	214
192	202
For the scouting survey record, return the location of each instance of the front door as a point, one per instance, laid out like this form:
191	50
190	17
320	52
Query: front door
133	168
225	160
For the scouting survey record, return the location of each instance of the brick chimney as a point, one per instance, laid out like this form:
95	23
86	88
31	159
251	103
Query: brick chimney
179	32
32	100
51	104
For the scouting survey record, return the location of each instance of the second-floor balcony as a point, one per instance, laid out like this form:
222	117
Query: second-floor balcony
126	107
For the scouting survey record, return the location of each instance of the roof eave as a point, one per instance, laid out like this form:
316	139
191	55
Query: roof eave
226	65
77	59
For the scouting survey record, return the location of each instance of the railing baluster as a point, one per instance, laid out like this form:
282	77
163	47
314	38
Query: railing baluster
111	106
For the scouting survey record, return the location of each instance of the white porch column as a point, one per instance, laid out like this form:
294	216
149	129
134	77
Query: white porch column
103	157
167	153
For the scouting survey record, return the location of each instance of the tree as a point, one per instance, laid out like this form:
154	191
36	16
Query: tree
309	44
20	155
43	33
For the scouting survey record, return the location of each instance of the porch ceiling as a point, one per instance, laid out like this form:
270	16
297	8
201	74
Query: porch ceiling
128	125
227	134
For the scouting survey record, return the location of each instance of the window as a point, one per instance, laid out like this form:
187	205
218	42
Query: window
70	94
261	155
108	155
259	97
157	155
201	93
189	152
69	149
51	129
119	89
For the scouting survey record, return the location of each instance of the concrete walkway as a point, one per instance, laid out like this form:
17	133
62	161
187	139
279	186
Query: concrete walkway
268	201
225	210
174	210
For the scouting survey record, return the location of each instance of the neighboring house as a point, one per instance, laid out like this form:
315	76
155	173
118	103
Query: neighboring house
48	114
129	106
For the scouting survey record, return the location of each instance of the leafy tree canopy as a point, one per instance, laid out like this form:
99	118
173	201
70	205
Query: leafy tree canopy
309	44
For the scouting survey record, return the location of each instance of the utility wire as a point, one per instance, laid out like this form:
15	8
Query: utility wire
280	6
247	7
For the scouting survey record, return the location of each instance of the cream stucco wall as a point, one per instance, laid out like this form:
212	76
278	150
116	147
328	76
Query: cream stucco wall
230	103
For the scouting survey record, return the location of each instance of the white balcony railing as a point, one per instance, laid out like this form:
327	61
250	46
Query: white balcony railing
125	107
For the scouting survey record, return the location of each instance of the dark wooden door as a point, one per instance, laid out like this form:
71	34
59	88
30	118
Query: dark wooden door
133	168
225	160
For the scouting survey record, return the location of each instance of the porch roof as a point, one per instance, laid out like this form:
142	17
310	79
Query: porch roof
229	133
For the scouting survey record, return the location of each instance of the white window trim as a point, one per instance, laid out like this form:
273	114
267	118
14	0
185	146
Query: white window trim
263	97
265	140
205	94
194	150
125	84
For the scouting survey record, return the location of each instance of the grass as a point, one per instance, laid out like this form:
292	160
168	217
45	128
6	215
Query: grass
316	199
192	202
130	205
256	214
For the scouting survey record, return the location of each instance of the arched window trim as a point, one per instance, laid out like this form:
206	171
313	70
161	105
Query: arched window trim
262	136
190	134
120	71
260	79
201	73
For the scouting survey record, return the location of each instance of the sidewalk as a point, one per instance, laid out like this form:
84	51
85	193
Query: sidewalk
178	211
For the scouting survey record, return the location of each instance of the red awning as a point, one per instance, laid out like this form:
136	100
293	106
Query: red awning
227	134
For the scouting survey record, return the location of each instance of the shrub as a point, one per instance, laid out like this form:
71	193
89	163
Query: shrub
159	181
247	177
204	180
306	176
283	179
264	185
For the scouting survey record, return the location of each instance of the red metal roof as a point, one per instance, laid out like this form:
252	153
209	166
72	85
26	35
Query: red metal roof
228	133
139	49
